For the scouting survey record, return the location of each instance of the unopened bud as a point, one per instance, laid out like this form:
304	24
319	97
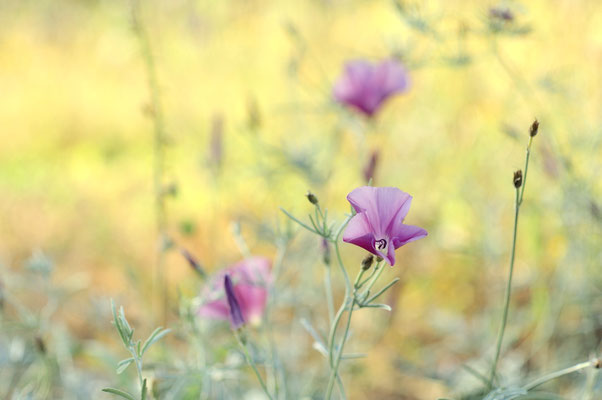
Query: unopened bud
533	129
194	264
312	198
379	259
518	179
367	262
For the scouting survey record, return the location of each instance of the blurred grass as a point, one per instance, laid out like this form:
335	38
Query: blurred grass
76	159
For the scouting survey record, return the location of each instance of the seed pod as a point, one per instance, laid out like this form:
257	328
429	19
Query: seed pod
534	128
518	179
312	198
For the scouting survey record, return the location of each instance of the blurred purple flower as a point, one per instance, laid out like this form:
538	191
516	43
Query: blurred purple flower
365	86
378	225
250	280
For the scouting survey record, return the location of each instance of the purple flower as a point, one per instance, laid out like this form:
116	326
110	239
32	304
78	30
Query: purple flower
378	225
366	86
244	299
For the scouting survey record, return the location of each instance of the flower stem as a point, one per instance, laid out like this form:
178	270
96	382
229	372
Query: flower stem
252	364
335	368
520	191
562	372
500	337
329	299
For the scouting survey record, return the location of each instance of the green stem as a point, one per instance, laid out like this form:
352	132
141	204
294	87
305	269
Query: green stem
380	267
329	298
333	330
252	364
500	337
522	191
381	291
562	372
335	368
340	259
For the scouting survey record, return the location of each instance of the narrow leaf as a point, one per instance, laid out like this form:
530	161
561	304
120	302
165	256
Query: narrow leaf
119	393
123	364
154	337
381	306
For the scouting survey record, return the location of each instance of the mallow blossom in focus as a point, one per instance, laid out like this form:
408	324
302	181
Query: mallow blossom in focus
378	225
238	293
365	86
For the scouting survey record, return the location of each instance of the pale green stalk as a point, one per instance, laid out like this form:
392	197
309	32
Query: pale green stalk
517	203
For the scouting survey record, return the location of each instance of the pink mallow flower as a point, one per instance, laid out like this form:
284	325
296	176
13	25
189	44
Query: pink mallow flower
238	293
378	225
365	86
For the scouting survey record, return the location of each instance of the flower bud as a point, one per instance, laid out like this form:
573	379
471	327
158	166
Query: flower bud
379	259
533	129
236	318
518	179
194	264
367	262
312	198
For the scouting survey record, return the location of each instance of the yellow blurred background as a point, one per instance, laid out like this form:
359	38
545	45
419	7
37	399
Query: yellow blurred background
251	125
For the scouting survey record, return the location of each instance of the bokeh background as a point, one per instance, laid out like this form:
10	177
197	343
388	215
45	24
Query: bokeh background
249	125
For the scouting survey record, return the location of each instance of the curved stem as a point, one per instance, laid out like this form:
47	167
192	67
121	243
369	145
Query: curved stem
500	337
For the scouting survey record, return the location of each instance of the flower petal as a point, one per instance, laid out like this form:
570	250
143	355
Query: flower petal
217	309
252	300
383	205
255	270
404	234
391	77
359	232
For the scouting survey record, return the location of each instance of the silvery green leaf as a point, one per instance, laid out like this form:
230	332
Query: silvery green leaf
123	364
120	393
154	337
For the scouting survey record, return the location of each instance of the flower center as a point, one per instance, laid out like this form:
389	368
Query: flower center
381	244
